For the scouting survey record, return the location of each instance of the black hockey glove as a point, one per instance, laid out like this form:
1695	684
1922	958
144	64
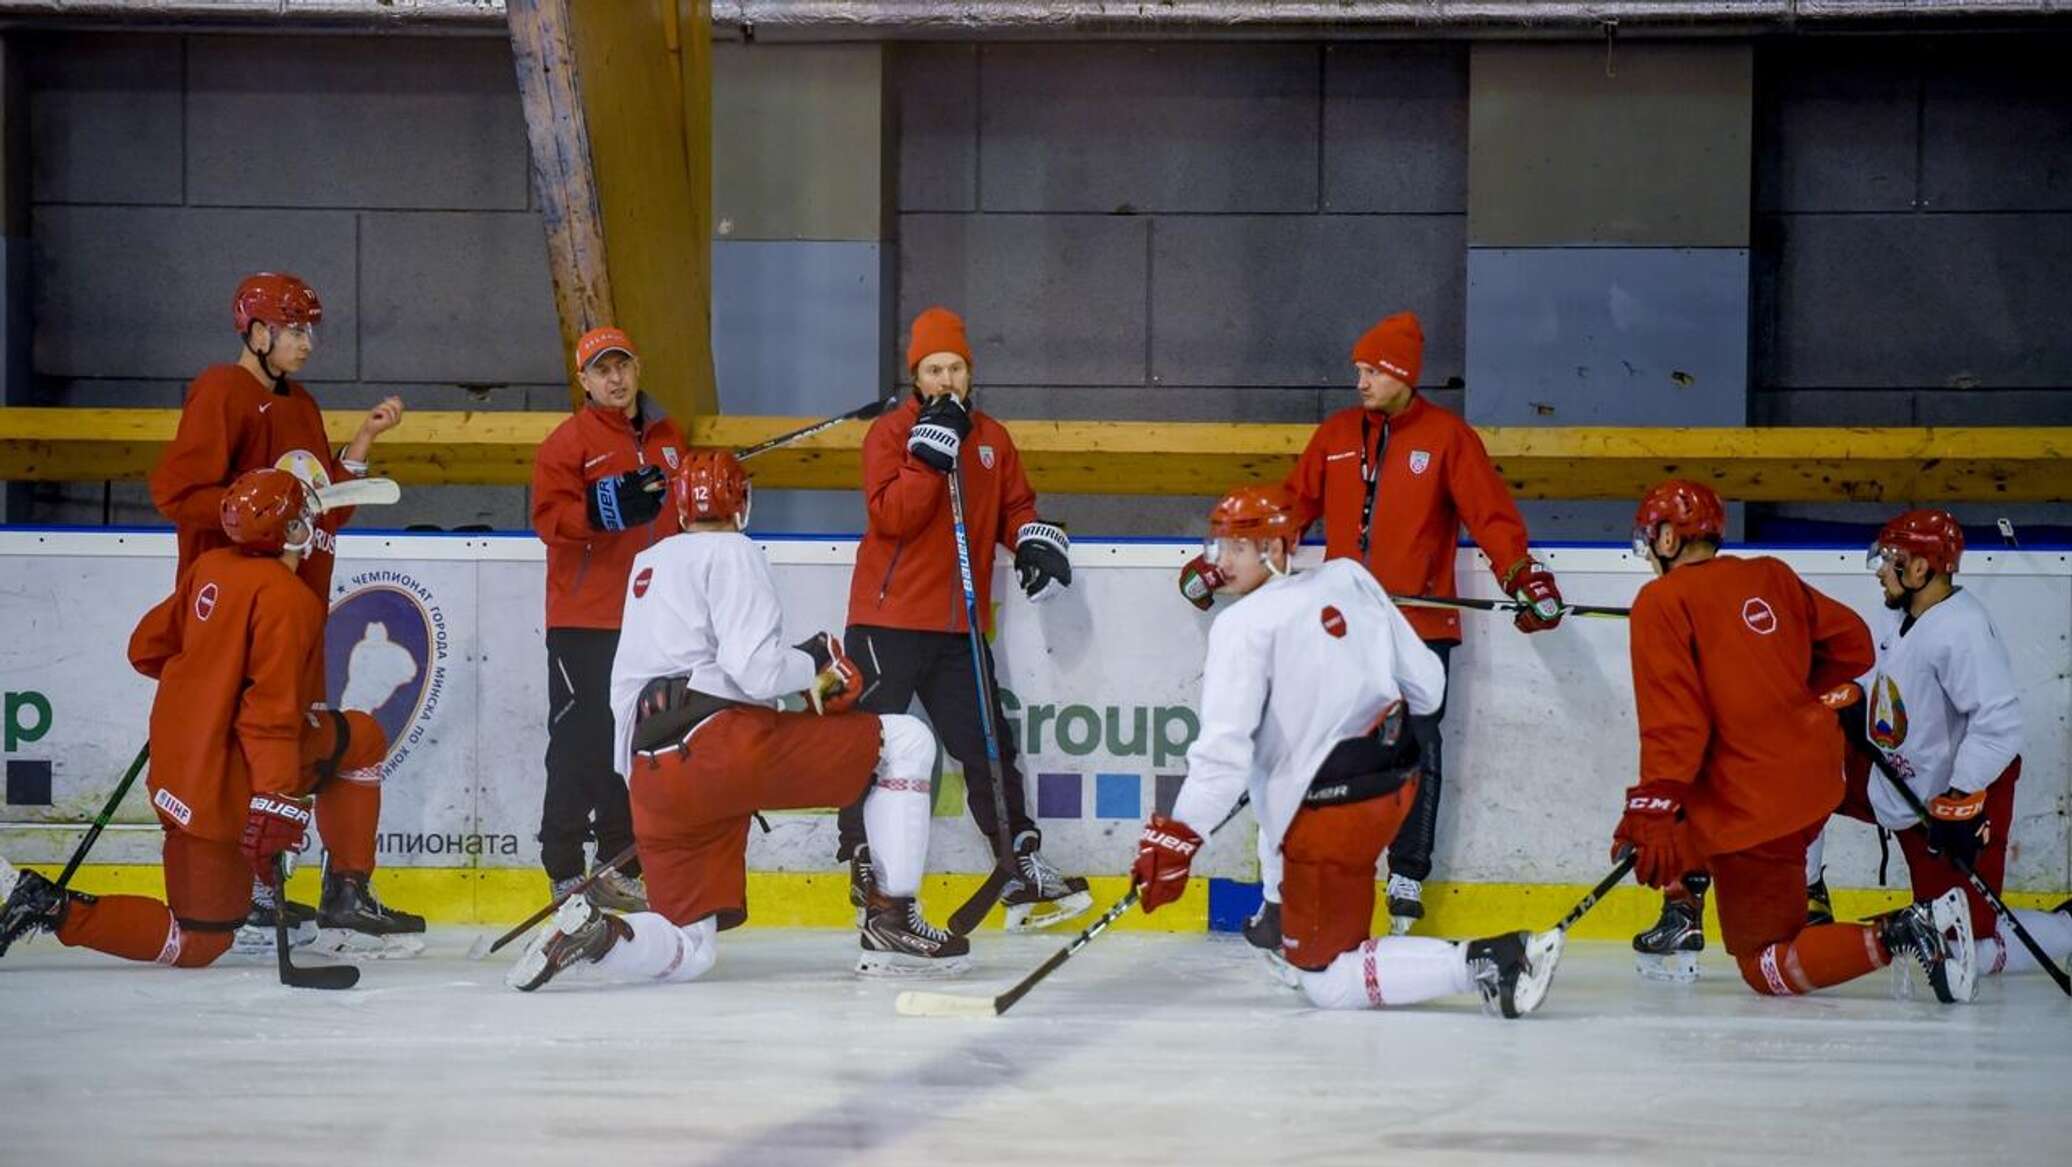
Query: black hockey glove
939	432
1042	560
632	499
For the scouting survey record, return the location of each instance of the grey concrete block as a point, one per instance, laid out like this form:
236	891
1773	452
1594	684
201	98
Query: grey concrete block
1608	336
1562	153
144	292
808	512
1279	300
1163	403
935	104
1997	127
431	122
114	393
500	508
1148	127
1396	127
2024	407
1097	516
797	327
1840	125
1905	301
1833	407
457	297
1047	300
104	118
797	142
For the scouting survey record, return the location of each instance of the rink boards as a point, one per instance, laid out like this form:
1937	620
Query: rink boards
442	637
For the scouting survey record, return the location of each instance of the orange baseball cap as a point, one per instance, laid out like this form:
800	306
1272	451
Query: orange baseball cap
599	341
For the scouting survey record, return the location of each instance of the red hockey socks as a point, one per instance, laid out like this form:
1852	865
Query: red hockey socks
348	812
1819	956
131	927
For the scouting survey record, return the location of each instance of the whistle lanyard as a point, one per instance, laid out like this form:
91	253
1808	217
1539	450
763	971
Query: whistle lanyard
1370	474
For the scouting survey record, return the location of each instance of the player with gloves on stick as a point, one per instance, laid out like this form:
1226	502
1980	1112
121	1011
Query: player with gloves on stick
1940	708
1741	760
907	628
1308	682
239	748
251	414
598	490
698	670
1394	478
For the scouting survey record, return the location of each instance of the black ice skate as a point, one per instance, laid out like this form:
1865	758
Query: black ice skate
1669	950
898	942
29	903
579	931
1937	935
1039	896
353	923
1820	907
255	935
1513	971
863	880
1406	903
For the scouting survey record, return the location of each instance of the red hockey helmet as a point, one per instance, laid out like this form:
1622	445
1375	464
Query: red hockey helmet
1692	510
1253	512
277	298
1929	535
260	506
710	484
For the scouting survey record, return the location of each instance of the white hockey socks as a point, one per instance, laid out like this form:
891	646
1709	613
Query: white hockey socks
661	951
897	807
1391	970
2006	953
1816	852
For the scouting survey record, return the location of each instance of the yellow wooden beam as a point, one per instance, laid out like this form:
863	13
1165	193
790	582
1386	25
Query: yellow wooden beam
1082	457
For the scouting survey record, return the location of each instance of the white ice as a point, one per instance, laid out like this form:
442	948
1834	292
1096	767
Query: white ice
1144	1049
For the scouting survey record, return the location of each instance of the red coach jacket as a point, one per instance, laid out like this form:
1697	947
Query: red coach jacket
587	568
1434	475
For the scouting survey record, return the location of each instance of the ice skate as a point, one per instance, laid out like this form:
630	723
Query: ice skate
28	903
863	880
1937	935
615	891
1263	933
353	923
1406	904
898	942
1820	907
579	931
1669	950
1513	971
1039	896
255	935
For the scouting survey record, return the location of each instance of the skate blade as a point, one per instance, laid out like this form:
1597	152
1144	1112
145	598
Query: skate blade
1543	954
924	1004
1953	919
255	941
1280	970
1674	968
1027	918
1401	925
346	944
900	966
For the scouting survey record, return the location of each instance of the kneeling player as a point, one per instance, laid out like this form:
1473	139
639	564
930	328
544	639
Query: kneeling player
1741	761
237	750
700	663
1303	697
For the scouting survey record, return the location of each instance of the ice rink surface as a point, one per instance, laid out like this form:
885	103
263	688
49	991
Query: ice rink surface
1146	1049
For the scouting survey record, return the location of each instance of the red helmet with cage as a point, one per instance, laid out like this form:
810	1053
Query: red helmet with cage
1255	512
1692	510
708	485
1929	535
276	298
261	505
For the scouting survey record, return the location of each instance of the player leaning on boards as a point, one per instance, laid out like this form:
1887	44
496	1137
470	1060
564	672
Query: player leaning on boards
907	629
597	498
252	414
699	668
1940	709
1741	759
1394	478
238	745
1305	689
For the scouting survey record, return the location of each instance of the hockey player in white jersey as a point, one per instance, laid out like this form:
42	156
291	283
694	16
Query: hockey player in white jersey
1940	708
700	666
1304	693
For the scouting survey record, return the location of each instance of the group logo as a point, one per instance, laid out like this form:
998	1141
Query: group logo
385	654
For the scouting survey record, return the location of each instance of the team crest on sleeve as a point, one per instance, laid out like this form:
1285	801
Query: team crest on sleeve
641	581
985	457
1757	614
669	456
1420	460
1888	720
205	601
1334	621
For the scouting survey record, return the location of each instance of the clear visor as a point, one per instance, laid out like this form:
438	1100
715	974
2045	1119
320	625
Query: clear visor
300	534
306	332
1643	542
747	504
1878	558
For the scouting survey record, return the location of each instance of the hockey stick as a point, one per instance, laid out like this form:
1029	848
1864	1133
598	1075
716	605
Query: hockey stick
967	917
1963	866
1508	606
1604	886
860	413
550	909
329	976
919	1003
358	492
101	821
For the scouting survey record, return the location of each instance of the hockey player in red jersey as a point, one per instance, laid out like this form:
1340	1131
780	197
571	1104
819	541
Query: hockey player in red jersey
239	749
1740	758
700	665
1307	684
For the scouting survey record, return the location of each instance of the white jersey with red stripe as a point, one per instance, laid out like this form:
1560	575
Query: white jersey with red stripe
1294	668
702	605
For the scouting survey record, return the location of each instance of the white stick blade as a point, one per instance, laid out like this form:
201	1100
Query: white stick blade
359	492
920	1003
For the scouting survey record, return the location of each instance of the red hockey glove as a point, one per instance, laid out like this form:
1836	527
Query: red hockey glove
1957	825
839	682
1199	580
1533	586
273	824
1165	852
1654	827
1842	696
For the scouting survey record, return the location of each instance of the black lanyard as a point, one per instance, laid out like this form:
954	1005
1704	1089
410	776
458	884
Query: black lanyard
1370	473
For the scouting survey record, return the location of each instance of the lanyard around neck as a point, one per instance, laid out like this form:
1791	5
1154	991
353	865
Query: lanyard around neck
1370	474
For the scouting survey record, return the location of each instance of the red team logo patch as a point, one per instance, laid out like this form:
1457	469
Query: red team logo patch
1756	613
1334	621
205	601
641	581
